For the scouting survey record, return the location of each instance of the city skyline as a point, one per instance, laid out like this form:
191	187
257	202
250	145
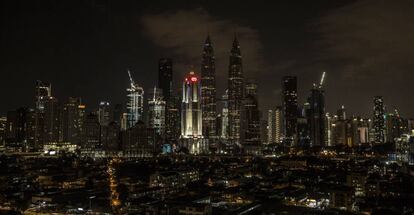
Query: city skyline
282	48
206	107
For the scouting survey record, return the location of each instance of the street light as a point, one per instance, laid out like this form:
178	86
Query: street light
90	201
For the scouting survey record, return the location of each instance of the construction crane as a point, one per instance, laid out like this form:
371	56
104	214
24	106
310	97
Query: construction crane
132	80
322	79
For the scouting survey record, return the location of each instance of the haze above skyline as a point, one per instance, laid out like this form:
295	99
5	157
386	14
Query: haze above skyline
84	48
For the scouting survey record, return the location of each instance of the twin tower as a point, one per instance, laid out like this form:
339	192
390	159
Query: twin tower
199	102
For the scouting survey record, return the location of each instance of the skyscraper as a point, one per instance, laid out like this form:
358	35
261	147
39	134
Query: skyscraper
278	128
156	112
43	92
16	126
395	126
235	93
224	134
104	113
191	116
274	125
316	116
172	119
208	90
135	104
270	124
117	113
3	123
379	120
328	129
92	138
290	109
73	118
251	118
172	102
52	119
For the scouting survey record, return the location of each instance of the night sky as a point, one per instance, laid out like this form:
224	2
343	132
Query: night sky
84	48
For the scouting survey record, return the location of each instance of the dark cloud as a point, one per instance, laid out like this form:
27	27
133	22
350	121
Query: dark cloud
181	34
365	46
368	46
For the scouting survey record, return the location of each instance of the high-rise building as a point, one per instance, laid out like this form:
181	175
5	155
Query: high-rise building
290	109
270	125
277	125
362	132
117	113
43	92
92	134
339	127
16	127
251	119
137	141
379	120
3	124
20	129
274	125
235	93
191	116
172	102
156	112
302	126
73	118
224	134
104	113
135	104
208	90
395	126
110	138
328	129
316	116
52	120
172	120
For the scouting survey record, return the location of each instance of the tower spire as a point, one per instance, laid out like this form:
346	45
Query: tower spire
236	46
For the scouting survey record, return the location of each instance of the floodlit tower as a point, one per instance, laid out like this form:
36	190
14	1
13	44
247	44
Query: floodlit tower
191	116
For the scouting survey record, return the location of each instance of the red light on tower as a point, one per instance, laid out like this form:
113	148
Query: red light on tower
193	79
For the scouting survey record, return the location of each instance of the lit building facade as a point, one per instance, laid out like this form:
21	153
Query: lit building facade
172	102
104	113
235	93
251	120
290	109
156	112
208	91
73	118
274	125
328	129
191	116
316	117
224	134
379	120
135	104
43	92
52	119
